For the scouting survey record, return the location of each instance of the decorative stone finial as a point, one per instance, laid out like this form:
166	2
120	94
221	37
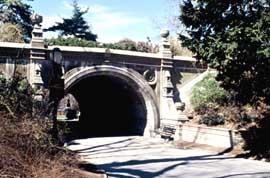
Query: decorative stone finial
36	19
165	45
164	33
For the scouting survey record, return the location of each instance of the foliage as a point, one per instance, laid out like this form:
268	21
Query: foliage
125	44
128	44
60	41
238	117
27	145
16	96
27	150
232	37
147	47
207	93
75	26
256	136
11	33
177	49
212	119
19	13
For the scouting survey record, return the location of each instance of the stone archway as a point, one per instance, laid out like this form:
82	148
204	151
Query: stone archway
127	76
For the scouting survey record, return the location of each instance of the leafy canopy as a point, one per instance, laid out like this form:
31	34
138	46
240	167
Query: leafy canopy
75	26
18	13
233	37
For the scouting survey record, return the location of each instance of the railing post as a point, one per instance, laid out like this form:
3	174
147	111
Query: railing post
168	113
38	60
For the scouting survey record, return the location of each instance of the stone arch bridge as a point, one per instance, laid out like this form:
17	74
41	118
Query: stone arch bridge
132	91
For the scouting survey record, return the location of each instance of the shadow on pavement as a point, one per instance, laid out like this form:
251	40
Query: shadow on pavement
263	174
134	161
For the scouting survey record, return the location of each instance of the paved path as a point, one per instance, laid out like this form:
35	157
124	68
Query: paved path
127	157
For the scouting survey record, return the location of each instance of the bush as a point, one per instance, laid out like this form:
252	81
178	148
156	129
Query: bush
256	136
212	119
177	49
71	41
207	94
16	96
27	150
27	146
11	33
125	44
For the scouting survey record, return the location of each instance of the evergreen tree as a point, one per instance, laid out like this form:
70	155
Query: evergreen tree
232	36
19	13
75	26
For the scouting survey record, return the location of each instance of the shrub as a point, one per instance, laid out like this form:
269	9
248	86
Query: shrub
147	47
11	33
16	96
256	136
212	119
27	146
27	150
127	44
207	94
71	41
124	44
177	49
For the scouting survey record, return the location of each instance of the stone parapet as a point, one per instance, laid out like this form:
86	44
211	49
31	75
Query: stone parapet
214	136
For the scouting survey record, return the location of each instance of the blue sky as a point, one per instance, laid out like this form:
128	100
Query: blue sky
113	20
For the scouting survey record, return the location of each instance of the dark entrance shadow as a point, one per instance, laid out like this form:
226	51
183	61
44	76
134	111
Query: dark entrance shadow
109	107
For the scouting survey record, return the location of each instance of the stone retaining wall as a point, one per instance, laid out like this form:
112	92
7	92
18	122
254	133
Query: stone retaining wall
219	137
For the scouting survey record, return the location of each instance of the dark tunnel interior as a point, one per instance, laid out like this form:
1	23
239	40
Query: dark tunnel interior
108	107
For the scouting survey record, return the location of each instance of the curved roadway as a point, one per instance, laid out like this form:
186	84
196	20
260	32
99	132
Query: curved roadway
128	157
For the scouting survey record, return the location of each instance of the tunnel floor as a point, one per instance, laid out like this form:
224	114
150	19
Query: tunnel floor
108	107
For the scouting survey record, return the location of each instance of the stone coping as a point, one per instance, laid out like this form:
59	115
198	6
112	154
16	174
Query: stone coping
97	50
106	50
15	45
206	127
184	58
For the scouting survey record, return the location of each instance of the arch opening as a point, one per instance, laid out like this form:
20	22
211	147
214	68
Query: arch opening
113	85
108	107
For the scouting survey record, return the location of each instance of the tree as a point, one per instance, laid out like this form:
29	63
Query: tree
19	13
233	37
177	49
76	25
11	33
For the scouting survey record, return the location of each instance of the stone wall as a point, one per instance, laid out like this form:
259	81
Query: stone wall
218	137
12	59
